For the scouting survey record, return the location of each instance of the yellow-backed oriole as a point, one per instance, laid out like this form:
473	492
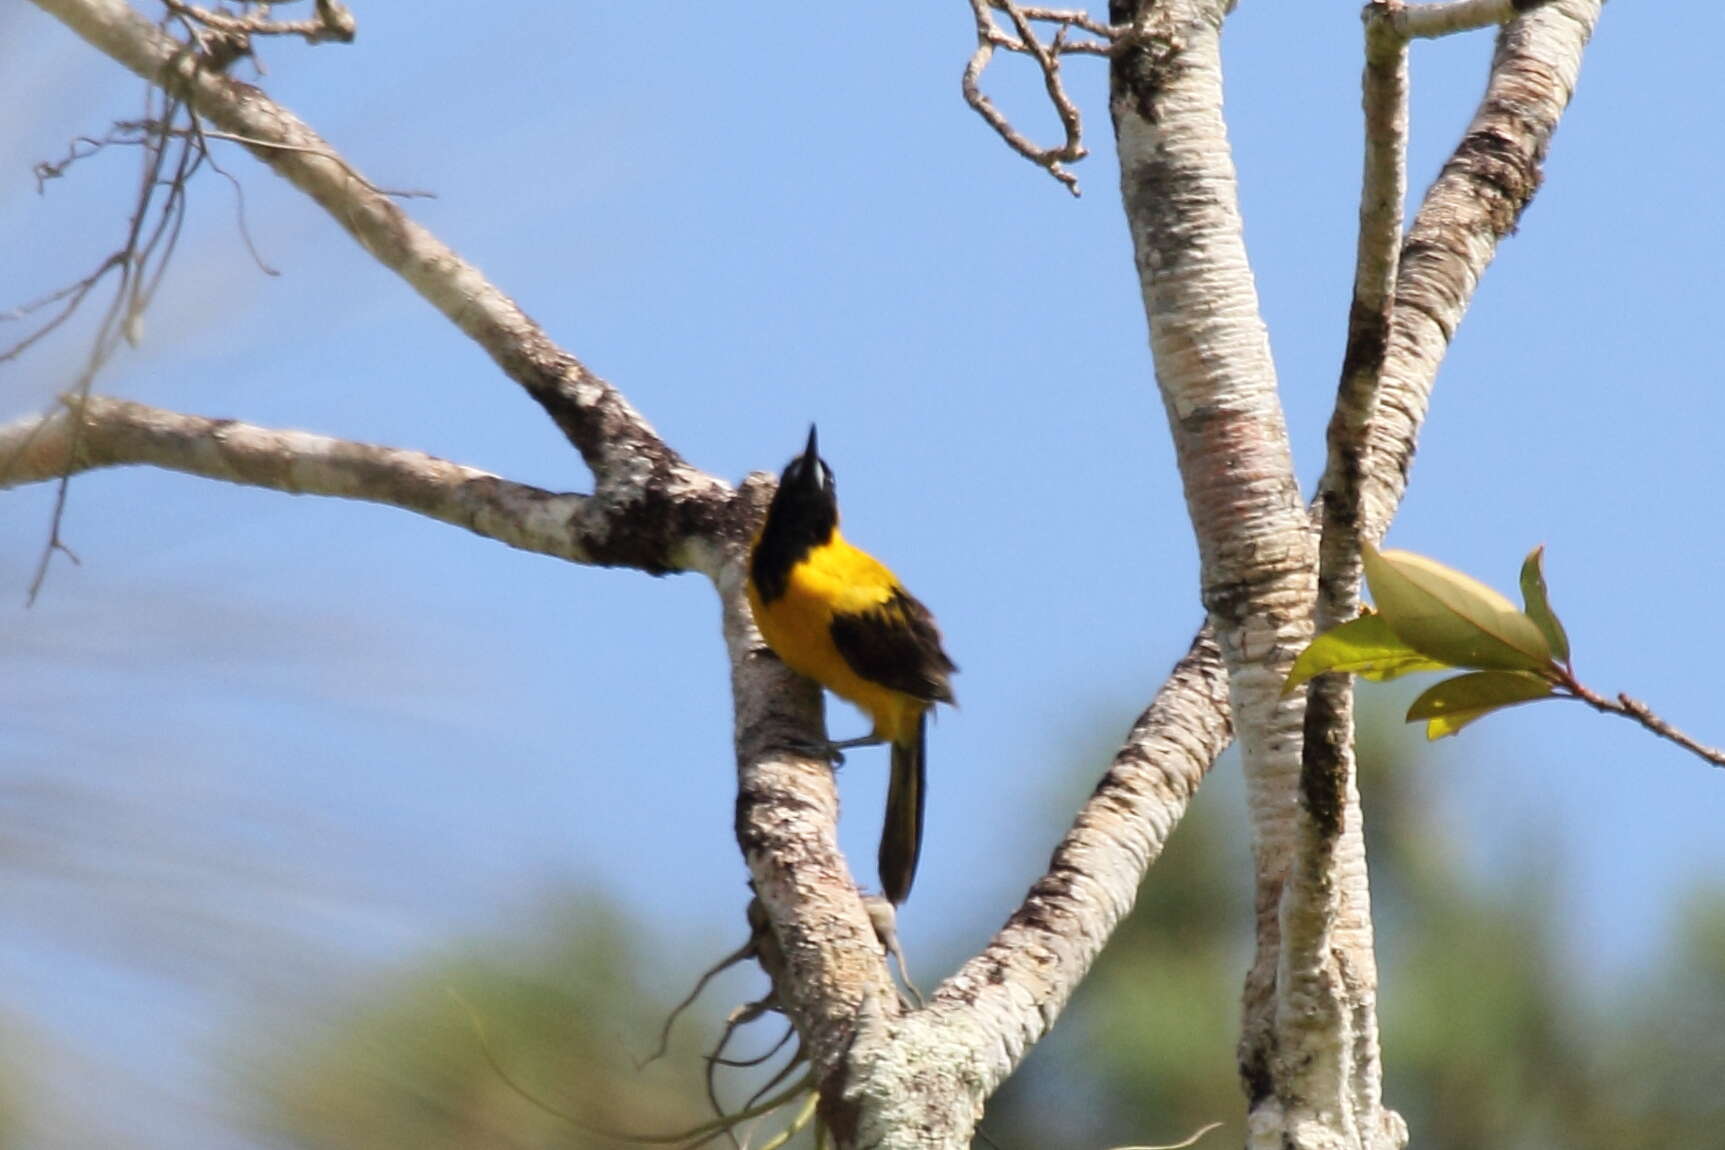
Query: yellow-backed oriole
836	614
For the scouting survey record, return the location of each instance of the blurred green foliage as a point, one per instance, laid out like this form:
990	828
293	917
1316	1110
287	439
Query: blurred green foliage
1490	1037
567	1017
12	1092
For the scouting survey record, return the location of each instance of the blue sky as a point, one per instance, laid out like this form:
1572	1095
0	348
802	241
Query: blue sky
337	735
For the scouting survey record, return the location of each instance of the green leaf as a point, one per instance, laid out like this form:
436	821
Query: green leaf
1538	608
1364	646
1452	704
1452	617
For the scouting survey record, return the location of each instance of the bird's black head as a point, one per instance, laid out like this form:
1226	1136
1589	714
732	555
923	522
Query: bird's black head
803	515
807	482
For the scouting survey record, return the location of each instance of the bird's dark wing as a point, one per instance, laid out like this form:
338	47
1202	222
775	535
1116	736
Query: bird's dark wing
897	645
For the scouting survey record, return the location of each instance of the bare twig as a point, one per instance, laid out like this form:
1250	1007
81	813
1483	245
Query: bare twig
151	133
1191	1139
1072	17
55	544
1640	712
744	1063
692	1137
72	295
322	153
151	235
803	1117
123	133
239	200
746	951
175	145
624	452
1024	40
797	1059
739	1018
139	133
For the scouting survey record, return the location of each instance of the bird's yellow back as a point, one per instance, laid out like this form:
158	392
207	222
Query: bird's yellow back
836	578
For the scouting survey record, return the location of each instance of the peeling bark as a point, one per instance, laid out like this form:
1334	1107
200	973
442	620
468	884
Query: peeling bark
1218	384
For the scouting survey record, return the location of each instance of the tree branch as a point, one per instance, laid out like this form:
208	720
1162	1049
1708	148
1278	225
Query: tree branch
1011	992
1326	1001
1453	238
1429	21
1217	380
1638	712
1474	204
118	433
626	456
1388	370
831	967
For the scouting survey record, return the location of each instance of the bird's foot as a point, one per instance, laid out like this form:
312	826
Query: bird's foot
863	741
832	752
816	749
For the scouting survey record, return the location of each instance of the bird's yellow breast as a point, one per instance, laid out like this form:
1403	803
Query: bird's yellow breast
835	579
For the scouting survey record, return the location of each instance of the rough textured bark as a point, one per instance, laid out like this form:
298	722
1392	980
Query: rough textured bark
118	433
1330	1076
1309	1048
930	1072
1218	384
1474	204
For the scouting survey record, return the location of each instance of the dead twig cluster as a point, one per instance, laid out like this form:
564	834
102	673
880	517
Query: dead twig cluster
1074	33
171	156
689	1139
175	146
762	948
222	36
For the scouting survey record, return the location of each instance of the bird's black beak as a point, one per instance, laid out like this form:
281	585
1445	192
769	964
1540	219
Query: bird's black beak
806	473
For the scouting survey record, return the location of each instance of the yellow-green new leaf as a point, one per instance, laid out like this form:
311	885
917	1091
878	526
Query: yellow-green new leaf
1364	646
1452	704
1452	617
1538	608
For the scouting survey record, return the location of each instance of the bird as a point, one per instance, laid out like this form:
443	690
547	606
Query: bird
836	614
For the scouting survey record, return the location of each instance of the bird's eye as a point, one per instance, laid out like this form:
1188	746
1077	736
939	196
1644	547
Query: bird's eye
825	478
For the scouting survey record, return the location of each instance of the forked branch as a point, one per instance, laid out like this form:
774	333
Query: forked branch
332	21
1095	38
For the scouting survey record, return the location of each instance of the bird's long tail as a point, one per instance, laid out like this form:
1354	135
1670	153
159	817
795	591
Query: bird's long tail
901	833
